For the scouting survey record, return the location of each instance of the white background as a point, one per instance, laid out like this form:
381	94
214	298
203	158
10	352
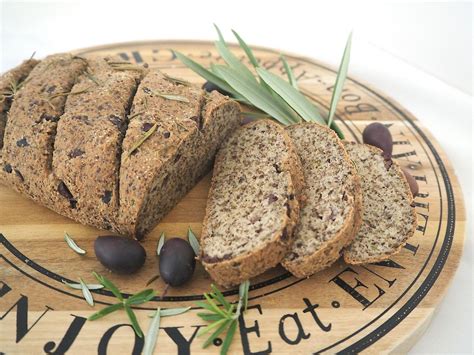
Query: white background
419	53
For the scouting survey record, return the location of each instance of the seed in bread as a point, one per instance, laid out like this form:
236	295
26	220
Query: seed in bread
389	218
252	205
331	213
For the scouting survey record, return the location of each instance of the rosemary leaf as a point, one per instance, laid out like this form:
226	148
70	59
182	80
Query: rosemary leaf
109	285
220	297
216	333
143	138
340	79
141	297
160	243
135	115
78	286
133	320
193	241
214	306
246	49
206	306
156	277
176	80
152	334
206	74
253	93
209	317
104	311
292	96
244	293
171	312
289	72
228	338
87	294
72	244
165	95
211	326
59	94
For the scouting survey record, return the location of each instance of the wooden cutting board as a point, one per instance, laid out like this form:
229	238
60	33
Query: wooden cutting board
382	307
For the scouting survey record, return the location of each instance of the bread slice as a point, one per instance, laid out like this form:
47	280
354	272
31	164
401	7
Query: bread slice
389	217
10	82
331	214
252	205
88	143
155	176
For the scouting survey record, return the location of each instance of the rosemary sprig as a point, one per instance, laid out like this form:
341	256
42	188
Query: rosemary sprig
137	299
193	241
72	244
165	95
174	80
79	286
143	138
222	314
15	85
268	93
121	66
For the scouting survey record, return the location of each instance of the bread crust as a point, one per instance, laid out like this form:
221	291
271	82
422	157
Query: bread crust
331	250
233	271
394	165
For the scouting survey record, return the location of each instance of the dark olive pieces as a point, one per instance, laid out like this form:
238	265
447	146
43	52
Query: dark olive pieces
412	182
119	254
379	136
177	262
209	87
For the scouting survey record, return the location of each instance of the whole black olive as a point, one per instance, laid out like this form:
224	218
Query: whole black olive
379	136
412	182
177	262
209	87
119	254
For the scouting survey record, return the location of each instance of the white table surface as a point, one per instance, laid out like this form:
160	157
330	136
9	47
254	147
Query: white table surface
314	31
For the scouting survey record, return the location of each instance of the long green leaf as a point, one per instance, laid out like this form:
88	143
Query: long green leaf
72	244
253	92
292	96
108	285
289	72
107	310
228	338
230	58
220	297
134	321
152	334
79	286
246	49
244	293
206	74
211	326
141	297
171	312
209	317
87	294
216	333
193	242
340	79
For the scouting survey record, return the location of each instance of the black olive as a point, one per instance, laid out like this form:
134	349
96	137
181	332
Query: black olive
209	87
120	254
411	182
379	136
177	262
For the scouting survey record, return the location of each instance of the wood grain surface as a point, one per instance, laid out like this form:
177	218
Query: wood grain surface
377	308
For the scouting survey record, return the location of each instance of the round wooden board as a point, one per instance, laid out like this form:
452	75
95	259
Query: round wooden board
382	307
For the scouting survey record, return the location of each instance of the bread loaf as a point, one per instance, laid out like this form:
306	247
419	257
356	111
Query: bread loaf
72	126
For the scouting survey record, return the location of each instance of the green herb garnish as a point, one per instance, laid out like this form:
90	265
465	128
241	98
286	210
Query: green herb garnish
193	241
147	135
137	299
72	244
160	243
268	93
174	80
13	89
87	294
165	95
79	286
223	315
340	79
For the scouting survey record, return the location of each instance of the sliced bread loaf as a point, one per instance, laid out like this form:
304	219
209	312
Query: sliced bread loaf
10	83
332	211
389	218
253	204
